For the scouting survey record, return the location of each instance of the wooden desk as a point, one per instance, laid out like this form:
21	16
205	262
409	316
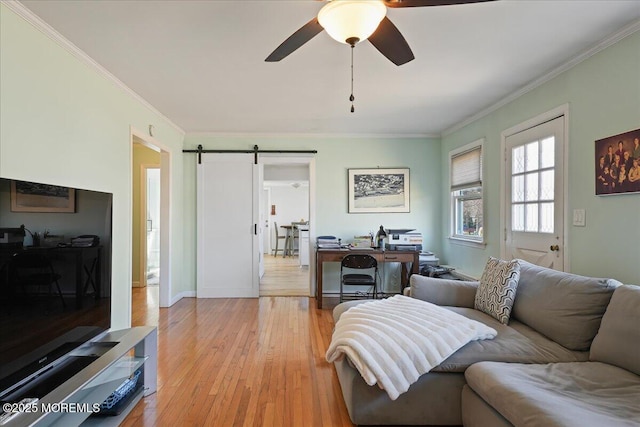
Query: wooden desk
336	255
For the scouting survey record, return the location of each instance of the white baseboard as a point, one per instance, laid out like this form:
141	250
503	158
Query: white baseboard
185	294
192	294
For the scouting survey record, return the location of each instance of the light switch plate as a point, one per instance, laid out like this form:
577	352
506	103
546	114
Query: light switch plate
579	217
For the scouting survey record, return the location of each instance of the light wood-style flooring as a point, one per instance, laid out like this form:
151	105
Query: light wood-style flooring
245	362
284	277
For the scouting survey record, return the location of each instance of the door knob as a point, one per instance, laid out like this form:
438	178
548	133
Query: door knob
554	248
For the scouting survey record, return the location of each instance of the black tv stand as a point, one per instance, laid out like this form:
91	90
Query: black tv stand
88	376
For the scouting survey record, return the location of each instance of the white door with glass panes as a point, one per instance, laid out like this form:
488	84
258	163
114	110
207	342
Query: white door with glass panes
534	195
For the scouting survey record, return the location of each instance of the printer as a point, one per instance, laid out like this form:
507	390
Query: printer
11	236
403	240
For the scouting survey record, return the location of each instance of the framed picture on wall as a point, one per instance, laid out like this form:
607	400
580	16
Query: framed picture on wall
618	164
34	197
378	190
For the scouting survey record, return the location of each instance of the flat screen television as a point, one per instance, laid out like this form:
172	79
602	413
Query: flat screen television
55	288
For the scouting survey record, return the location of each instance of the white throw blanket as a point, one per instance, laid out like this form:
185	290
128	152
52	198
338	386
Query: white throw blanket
393	341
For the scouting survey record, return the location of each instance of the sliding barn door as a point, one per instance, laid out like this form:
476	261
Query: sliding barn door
227	226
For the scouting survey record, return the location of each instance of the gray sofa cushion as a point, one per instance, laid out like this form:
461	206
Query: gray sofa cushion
477	413
514	343
457	293
587	394
433	400
618	340
564	307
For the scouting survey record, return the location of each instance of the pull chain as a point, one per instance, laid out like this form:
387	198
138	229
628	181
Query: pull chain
352	41
351	98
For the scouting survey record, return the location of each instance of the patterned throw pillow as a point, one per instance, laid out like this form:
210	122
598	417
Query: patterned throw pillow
497	288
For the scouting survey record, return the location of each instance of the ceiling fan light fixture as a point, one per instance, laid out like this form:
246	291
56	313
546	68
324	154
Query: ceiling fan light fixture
351	19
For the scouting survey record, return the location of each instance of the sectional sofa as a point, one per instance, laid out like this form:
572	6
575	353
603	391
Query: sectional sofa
554	319
605	391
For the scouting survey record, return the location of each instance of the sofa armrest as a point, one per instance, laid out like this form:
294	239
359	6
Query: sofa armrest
457	293
344	306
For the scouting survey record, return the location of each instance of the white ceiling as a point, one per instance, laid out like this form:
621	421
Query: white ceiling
201	63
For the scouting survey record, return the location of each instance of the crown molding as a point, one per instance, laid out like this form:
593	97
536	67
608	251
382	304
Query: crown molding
282	135
605	43
26	14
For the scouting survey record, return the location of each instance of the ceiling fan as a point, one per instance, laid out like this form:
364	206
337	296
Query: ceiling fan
353	21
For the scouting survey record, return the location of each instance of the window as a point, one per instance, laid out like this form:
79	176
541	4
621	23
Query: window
533	186
467	221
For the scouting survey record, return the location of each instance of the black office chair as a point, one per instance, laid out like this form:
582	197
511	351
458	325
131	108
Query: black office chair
367	276
31	272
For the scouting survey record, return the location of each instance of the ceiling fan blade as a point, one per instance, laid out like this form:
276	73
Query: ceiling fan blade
390	42
297	39
421	3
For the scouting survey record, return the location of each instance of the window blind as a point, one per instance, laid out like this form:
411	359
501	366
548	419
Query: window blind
466	169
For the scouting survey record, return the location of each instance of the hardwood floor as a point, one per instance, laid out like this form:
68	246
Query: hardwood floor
145	306
250	362
284	277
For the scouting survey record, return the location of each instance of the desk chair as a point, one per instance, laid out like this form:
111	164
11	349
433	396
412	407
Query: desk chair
278	237
367	275
34	271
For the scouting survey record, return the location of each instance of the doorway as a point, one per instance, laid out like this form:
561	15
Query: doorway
231	226
150	240
152	213
286	218
534	200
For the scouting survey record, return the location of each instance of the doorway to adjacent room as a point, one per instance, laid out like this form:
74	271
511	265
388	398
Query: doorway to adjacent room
287	219
150	215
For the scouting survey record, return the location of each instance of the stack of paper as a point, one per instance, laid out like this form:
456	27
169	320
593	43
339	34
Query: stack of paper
328	243
83	242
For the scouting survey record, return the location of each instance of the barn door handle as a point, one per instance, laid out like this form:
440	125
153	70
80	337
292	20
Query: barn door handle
554	248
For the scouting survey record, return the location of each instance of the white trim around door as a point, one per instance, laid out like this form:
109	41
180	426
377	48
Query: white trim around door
561	111
278	159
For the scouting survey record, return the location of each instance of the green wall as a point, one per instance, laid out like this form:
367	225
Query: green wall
61	122
334	157
603	94
64	123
